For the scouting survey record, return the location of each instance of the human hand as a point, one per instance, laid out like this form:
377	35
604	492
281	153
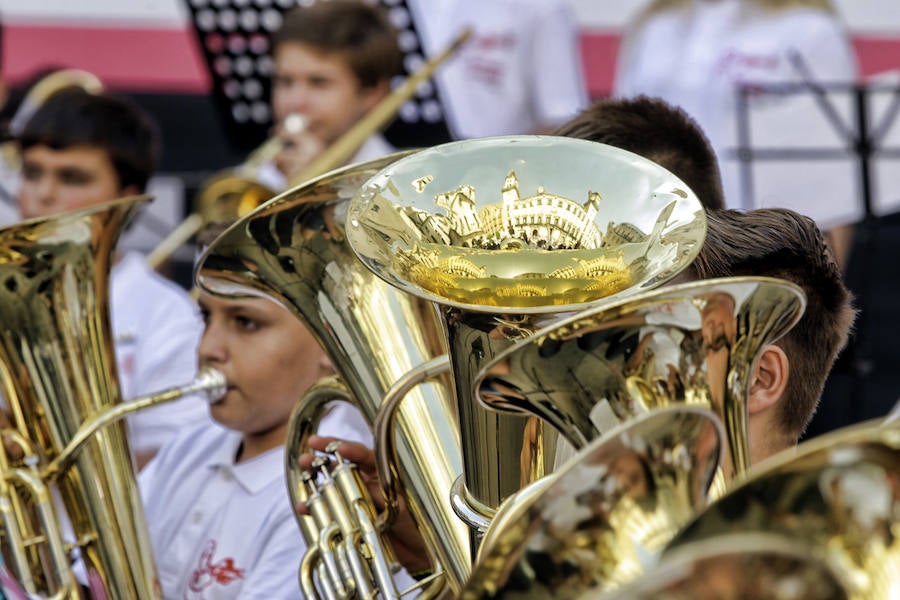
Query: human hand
14	451
403	533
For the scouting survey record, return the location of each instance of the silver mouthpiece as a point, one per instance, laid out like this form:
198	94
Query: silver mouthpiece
210	383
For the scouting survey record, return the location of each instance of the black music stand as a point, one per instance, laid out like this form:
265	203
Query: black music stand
866	381
234	36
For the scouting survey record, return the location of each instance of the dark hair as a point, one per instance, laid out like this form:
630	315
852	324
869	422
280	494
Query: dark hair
73	117
657	131
780	243
361	33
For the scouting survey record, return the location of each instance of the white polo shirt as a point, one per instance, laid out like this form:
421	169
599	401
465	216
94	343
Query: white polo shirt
224	530
374	147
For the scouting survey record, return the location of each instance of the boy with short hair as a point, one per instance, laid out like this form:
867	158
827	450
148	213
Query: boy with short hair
216	501
334	61
81	149
790	373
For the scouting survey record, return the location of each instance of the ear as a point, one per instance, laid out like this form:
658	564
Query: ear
769	379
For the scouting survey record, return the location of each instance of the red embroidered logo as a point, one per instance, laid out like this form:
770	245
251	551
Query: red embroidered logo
208	572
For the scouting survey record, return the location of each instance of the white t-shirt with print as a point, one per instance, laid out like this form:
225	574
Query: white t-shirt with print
697	54
226	530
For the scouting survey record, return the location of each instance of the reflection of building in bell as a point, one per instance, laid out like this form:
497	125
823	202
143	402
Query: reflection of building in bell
623	233
460	207
604	267
544	220
430	261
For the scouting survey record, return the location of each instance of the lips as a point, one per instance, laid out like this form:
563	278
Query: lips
228	389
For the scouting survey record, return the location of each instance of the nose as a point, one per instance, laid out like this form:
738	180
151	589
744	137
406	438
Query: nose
297	99
212	350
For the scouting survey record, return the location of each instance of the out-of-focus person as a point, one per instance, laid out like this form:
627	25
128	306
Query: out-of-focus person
81	149
334	60
696	54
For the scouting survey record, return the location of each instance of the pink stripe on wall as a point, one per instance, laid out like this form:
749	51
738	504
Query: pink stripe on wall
598	53
168	60
128	58
877	54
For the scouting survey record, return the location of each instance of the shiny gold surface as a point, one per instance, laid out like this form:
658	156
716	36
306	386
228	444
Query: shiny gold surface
693	343
737	567
520	224
58	372
607	513
293	249
504	234
837	495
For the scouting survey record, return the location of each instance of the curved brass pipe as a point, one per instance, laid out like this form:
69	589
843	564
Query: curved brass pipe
58	377
294	250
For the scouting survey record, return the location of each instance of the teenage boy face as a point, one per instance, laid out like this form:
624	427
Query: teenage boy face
268	357
55	181
321	87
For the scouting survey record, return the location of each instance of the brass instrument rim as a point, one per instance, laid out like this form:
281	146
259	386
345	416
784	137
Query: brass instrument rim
501	539
78	213
211	283
866	432
659	294
526	500
686	199
676	566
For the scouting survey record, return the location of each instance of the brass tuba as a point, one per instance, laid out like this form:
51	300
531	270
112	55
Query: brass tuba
837	496
597	377
606	512
737	566
294	249
58	377
694	343
505	235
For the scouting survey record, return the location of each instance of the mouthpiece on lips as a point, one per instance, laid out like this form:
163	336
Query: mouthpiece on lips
210	383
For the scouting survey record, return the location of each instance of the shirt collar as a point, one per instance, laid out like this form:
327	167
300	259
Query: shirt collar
254	474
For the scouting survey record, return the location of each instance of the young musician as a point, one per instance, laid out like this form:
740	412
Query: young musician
81	149
334	61
220	519
791	373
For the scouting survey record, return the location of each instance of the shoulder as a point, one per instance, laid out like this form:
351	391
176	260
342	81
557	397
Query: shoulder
374	147
540	9
133	277
139	294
